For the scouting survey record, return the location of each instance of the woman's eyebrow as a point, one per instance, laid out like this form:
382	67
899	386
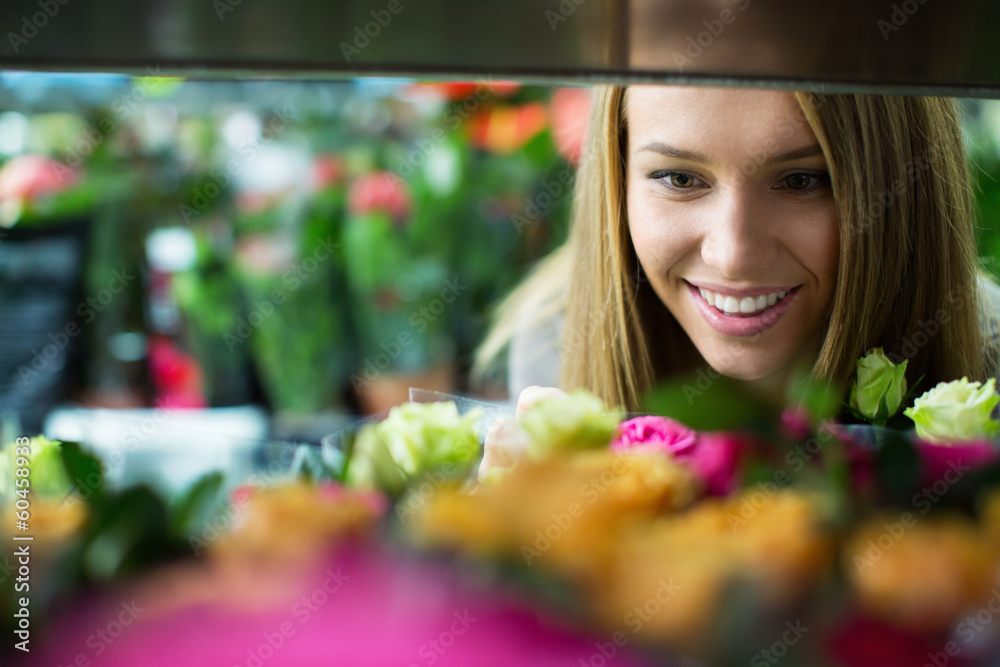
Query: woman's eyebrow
682	154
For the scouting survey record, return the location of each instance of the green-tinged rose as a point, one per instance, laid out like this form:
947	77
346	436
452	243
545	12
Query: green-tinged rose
577	421
46	472
413	439
956	411
879	386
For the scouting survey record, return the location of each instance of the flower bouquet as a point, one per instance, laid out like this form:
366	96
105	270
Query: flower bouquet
581	536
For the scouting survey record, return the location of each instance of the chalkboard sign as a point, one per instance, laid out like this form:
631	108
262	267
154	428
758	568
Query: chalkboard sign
41	278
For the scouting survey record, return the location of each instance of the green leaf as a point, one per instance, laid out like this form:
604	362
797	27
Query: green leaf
704	403
194	508
129	533
84	472
820	399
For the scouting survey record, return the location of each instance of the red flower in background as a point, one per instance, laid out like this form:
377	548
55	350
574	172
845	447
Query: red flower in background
176	376
31	176
504	129
380	191
327	170
456	91
570	112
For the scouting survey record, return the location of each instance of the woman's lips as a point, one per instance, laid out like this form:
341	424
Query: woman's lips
742	324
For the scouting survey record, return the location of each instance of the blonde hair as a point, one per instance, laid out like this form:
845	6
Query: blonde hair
908	256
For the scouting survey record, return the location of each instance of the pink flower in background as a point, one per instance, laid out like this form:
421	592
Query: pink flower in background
795	422
940	459
715	460
570	112
711	457
327	170
364	607
652	432
30	176
380	191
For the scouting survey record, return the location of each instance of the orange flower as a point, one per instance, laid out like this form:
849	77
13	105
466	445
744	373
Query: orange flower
561	512
923	573
505	129
296	523
675	569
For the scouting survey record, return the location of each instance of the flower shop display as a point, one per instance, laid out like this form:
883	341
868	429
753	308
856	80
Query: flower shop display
602	536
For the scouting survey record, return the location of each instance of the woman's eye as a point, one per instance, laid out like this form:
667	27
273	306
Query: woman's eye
804	182
677	180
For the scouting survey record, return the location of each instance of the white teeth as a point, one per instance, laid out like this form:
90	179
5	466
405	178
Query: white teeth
745	305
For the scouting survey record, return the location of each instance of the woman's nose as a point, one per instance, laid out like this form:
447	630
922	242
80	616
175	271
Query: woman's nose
737	240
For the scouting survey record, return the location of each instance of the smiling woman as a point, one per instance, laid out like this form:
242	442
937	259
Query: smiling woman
757	233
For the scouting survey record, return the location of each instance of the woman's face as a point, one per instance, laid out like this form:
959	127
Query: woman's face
732	217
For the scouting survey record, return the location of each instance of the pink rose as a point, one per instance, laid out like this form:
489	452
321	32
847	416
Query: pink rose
795	423
659	433
711	457
715	461
380	191
32	176
327	170
940	459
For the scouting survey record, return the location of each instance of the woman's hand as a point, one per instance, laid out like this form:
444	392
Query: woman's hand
506	441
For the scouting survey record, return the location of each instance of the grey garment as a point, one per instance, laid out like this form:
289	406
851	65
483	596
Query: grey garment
534	357
990	302
535	349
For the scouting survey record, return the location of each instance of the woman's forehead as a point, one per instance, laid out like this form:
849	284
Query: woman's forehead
730	117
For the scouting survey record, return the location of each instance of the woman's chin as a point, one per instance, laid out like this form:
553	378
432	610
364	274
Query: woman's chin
744	367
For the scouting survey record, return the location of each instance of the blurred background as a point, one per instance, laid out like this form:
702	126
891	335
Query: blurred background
284	256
